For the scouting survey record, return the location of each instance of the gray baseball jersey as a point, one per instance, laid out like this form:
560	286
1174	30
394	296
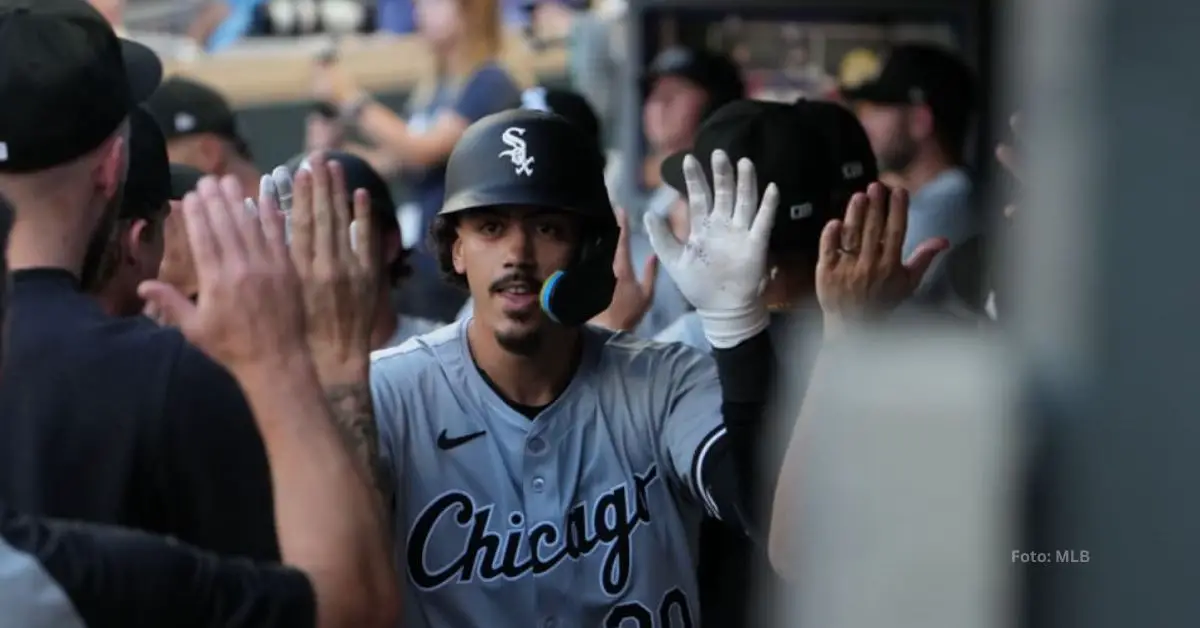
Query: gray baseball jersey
586	516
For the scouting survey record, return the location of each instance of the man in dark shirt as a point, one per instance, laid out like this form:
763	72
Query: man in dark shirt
101	419
56	574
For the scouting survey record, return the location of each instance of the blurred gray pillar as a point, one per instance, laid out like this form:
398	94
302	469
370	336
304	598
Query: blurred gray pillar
1108	306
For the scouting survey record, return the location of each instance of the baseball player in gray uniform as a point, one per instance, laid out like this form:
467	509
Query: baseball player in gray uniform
545	473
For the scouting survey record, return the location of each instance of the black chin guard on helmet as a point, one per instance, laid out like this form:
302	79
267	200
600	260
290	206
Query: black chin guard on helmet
523	158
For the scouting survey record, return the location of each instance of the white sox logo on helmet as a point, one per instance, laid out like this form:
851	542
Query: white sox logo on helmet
516	153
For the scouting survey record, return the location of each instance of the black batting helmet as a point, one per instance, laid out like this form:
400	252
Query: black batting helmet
525	158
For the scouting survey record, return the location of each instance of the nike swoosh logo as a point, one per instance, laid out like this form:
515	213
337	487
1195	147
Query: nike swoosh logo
445	443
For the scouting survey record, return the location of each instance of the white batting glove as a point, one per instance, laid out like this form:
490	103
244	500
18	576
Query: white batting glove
721	267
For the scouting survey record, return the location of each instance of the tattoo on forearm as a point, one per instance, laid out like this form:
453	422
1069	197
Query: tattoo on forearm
355	419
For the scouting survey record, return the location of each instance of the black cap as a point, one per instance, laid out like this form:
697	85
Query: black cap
566	103
68	81
717	74
185	107
183	180
923	74
807	149
148	184
360	175
848	143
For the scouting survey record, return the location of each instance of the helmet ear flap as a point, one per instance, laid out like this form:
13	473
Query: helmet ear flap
576	294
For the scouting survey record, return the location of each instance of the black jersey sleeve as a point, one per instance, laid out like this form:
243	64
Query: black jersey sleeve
119	577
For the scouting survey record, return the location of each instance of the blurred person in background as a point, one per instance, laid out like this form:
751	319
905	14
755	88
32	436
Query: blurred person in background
113	11
136	249
389	328
219	24
918	113
466	82
682	87
399	16
201	130
177	267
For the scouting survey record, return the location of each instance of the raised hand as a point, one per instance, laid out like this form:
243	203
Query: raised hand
339	270
721	267
249	316
860	274
632	297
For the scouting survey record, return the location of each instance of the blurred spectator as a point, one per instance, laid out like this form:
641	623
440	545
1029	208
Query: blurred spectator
178	268
466	83
682	87
918	114
399	16
221	23
201	130
136	249
113	11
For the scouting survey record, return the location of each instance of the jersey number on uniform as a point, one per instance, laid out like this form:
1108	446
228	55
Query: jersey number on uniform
637	615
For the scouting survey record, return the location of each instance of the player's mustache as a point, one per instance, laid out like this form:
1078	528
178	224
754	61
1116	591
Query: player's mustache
517	280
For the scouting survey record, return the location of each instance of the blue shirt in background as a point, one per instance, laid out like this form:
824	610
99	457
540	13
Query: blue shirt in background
236	25
396	16
489	90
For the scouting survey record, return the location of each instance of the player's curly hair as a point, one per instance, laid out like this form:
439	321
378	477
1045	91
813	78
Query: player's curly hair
400	268
442	234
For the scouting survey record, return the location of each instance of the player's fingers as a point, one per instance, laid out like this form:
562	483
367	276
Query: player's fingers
831	241
341	211
699	196
896	226
362	243
622	264
223	210
206	251
922	257
271	223
851	225
764	218
873	224
1008	158
649	276
248	225
724	186
302	221
168	305
746	205
282	178
662	239
324	247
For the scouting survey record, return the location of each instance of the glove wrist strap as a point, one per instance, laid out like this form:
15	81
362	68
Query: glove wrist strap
726	329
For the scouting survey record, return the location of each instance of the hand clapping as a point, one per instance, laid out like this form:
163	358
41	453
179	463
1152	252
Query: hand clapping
249	313
335	256
860	274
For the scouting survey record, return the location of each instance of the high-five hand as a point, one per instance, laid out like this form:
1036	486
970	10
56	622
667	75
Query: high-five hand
860	274
249	315
339	270
632	297
721	267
